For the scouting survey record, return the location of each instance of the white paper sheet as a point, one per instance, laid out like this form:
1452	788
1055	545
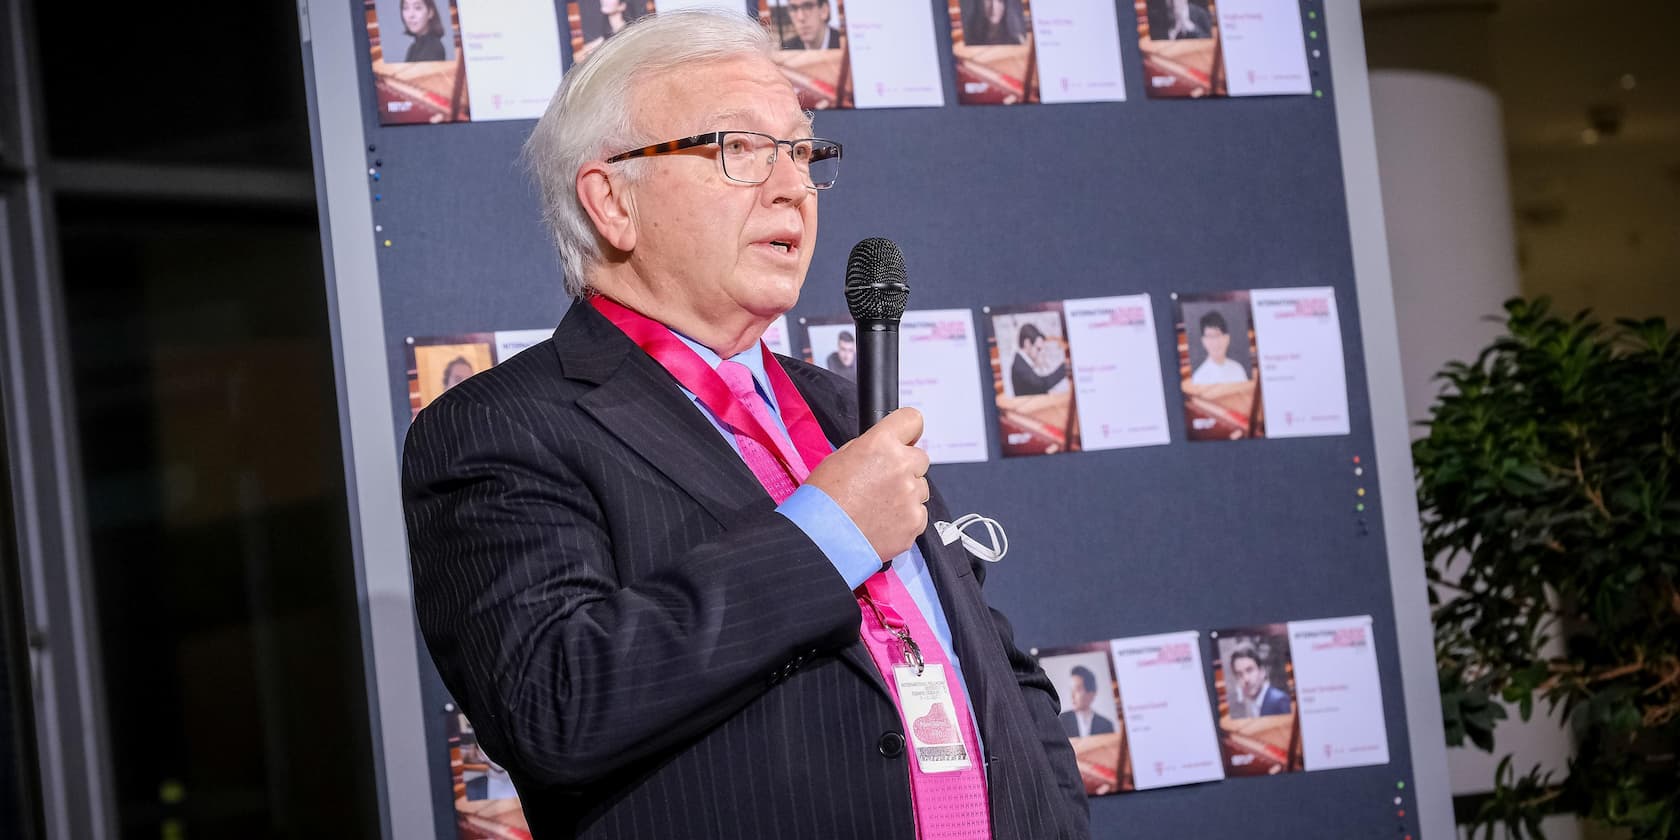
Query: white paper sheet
938	376
509	342
513	57
1302	373
1340	693
1164	702
895	60
1117	372
1264	50
776	336
1078	46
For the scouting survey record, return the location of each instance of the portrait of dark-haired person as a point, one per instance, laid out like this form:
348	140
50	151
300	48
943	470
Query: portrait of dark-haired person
421	23
811	27
993	22
844	358
1256	696
1218	368
1038	364
1080	721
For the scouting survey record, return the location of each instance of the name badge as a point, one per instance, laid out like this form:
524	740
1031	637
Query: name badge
935	737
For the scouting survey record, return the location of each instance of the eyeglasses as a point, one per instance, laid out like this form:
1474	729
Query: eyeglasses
748	156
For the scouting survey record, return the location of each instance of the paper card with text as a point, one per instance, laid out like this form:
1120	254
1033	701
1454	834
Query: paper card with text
1078	49
1342	723
1117	371
1164	703
936	375
1304	377
512	49
1263	46
894	54
776	336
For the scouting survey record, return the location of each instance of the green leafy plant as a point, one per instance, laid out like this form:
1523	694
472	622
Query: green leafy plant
1549	486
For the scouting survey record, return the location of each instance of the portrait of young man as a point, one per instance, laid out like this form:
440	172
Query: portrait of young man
674	590
811	29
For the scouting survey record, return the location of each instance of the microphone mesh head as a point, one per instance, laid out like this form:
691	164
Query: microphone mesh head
876	288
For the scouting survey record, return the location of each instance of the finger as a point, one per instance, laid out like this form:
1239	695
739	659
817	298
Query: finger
919	462
924	489
907	426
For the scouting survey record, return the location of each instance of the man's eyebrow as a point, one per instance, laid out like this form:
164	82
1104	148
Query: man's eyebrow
731	119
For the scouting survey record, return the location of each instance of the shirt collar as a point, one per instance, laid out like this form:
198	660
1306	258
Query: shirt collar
752	357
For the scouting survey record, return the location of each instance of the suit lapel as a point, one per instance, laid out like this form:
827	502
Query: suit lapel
637	402
943	562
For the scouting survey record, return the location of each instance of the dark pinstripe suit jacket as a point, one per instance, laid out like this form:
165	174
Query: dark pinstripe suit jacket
649	648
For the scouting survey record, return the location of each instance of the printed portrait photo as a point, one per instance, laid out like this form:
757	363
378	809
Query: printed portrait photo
832	344
415	48
1090	716
486	805
812	53
1219	366
437	364
591	22
1180	44
1259	727
1032	379
992	44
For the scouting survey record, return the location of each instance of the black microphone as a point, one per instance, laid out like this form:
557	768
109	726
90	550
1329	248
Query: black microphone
876	293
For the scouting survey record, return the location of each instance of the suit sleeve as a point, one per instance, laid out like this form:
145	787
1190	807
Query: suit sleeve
1028	382
566	673
1042	699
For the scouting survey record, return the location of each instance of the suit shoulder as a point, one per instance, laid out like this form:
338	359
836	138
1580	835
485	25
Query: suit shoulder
522	382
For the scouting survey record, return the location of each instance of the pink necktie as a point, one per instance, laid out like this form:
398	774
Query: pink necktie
950	805
763	464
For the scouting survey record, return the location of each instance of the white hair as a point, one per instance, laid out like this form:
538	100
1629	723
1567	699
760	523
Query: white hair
592	114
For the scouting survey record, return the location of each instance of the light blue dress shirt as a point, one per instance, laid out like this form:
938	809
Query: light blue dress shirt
821	518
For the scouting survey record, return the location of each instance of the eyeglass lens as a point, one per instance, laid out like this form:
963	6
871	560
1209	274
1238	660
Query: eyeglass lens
750	157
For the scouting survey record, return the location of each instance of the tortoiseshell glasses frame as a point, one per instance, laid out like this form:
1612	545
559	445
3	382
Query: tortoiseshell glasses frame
748	157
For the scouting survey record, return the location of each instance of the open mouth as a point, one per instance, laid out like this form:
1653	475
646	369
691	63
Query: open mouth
782	245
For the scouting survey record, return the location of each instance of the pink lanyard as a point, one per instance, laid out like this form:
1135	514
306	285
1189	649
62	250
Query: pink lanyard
703	382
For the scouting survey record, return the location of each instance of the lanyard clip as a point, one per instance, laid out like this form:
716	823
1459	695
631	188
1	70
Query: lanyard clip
912	651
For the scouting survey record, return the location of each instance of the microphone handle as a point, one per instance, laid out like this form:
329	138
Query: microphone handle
877	367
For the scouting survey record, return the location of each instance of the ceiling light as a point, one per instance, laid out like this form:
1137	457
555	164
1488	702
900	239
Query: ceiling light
1629	82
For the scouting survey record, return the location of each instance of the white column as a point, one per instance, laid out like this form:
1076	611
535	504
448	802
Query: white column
1452	251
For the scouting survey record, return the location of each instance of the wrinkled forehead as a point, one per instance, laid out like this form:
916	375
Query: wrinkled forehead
747	93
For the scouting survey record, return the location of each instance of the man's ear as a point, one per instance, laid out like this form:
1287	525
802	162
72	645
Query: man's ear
605	197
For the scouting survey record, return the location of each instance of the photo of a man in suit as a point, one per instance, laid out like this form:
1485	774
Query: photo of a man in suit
1038	365
810	26
1257	696
1081	721
649	556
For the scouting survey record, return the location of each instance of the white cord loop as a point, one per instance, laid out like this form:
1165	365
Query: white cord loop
950	532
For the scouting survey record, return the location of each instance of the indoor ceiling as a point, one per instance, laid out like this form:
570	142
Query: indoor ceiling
1591	99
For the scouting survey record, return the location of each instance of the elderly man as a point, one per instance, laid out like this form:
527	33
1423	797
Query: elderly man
670	607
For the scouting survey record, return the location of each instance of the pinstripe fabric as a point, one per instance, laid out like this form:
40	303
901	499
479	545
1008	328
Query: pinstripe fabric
649	648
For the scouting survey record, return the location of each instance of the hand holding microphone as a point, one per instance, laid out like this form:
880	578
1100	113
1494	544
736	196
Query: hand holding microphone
880	478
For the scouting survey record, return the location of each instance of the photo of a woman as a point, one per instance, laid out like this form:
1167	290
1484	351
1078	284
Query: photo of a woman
993	22
421	23
598	20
